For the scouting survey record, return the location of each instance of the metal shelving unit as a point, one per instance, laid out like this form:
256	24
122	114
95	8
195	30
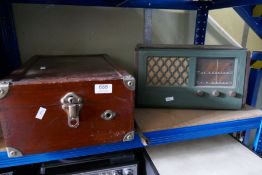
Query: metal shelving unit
10	57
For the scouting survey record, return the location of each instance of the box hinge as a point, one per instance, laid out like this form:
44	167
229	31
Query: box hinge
4	87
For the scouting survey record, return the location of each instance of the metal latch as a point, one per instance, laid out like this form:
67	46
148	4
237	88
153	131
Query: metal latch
72	104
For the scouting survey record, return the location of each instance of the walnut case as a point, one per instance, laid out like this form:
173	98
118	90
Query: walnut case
64	102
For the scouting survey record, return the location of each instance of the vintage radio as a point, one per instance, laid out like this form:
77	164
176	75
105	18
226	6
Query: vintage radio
211	77
64	102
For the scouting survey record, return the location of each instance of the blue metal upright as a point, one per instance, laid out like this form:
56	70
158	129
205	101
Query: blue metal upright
201	25
254	80
258	140
9	54
253	90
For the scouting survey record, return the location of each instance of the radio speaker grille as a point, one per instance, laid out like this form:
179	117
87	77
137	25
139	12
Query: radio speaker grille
167	71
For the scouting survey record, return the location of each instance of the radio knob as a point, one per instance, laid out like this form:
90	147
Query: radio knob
232	94
127	171
200	93
216	93
116	173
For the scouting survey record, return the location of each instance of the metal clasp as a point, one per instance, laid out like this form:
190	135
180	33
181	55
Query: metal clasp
72	104
4	87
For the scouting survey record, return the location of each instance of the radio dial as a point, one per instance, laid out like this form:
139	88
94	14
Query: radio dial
216	93
232	93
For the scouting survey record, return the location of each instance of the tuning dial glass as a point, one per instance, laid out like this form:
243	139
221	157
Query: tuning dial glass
215	71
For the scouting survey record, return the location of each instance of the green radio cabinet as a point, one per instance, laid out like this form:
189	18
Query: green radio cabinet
207	77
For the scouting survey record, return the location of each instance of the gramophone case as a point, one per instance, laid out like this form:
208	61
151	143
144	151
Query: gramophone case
207	77
64	102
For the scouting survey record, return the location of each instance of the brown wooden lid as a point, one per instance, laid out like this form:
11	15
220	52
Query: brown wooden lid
66	68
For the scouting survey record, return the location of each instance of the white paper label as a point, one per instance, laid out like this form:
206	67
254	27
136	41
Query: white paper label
40	114
103	88
169	99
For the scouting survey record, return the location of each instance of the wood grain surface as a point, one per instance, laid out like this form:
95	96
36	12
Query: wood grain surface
149	119
2	144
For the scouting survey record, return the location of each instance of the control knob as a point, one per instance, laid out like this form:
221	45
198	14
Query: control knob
127	171
232	94
216	93
200	93
116	173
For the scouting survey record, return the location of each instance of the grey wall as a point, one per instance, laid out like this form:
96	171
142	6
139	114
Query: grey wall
49	29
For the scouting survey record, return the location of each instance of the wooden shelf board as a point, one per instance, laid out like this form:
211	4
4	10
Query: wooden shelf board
2	144
149	119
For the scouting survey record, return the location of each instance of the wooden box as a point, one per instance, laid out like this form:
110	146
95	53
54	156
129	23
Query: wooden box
64	102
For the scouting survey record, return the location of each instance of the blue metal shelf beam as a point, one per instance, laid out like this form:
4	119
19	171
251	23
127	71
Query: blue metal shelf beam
106	3
232	3
256	55
154	4
194	132
245	12
157	4
155	138
44	157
